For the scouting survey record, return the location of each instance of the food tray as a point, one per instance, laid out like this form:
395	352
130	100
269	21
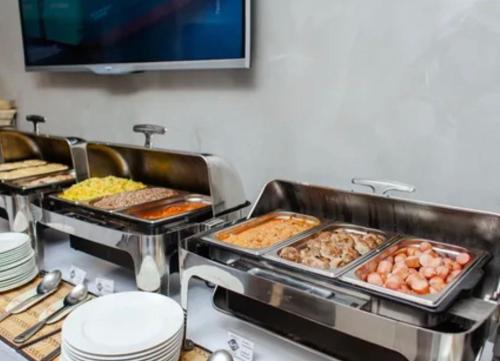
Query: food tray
89	203
22	178
214	238
274	255
21	164
17	184
123	213
12	182
131	212
177	194
467	279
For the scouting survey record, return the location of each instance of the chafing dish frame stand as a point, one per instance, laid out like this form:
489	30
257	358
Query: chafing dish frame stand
325	303
18	205
151	253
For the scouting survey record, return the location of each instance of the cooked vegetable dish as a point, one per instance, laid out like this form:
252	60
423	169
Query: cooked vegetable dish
93	188
332	249
268	233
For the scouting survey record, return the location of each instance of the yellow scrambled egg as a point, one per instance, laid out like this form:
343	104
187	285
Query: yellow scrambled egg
100	187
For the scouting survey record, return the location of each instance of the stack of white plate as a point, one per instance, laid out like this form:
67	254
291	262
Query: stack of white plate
17	261
130	326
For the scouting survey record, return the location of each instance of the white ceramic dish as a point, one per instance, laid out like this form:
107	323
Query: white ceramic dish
15	252
22	272
159	355
20	283
10	241
123	324
169	346
14	265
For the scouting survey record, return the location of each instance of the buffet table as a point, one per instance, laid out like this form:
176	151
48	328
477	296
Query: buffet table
206	326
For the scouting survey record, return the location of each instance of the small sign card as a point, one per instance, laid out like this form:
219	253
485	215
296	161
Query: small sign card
77	275
104	286
241	348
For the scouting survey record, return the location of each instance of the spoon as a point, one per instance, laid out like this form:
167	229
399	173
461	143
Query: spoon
220	355
76	295
49	283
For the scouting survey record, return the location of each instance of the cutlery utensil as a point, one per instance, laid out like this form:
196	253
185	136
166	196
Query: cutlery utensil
49	284
76	295
221	355
39	339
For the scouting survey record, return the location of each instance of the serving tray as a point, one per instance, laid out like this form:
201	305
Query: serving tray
275	257
467	279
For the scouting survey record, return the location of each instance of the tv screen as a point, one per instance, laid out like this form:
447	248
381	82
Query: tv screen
129	35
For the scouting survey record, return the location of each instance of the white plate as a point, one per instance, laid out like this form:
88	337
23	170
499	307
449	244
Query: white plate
17	272
122	324
18	277
23	271
24	248
167	356
174	346
11	240
28	263
6	267
14	266
168	346
160	354
16	280
17	265
12	257
20	283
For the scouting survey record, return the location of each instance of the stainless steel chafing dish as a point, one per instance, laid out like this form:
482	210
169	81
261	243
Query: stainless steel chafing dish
149	246
326	313
16	197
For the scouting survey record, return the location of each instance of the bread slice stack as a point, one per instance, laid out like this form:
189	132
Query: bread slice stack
7	112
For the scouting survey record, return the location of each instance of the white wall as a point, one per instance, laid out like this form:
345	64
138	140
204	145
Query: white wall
400	89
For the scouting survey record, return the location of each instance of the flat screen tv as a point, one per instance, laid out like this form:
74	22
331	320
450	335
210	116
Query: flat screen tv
123	36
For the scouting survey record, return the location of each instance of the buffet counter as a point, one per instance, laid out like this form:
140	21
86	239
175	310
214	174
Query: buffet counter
206	326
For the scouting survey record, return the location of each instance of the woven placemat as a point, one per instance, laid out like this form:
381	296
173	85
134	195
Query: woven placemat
15	324
197	354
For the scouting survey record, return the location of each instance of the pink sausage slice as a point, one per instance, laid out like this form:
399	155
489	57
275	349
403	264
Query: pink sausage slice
463	258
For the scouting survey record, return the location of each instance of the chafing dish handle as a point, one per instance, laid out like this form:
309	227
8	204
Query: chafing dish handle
35	119
384	187
149	130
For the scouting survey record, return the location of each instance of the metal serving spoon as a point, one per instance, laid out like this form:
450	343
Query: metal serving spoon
220	355
49	284
78	294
